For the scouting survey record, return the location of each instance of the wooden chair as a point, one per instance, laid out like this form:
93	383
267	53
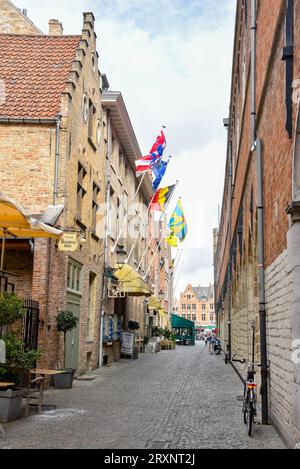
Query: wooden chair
31	393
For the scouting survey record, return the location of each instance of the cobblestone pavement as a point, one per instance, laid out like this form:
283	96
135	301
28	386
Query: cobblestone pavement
185	397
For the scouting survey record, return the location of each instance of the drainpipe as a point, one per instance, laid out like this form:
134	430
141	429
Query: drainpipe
262	284
106	245
253	69
256	144
229	250
57	155
229	268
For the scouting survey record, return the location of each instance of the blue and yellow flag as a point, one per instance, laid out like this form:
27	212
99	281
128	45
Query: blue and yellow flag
178	226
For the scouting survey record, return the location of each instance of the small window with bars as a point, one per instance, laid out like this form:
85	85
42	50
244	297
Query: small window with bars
81	192
95	207
92	124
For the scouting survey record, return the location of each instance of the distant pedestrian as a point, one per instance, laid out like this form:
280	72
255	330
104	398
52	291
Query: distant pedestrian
208	340
213	342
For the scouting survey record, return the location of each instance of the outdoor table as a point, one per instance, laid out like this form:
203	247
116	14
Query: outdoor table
5	386
43	374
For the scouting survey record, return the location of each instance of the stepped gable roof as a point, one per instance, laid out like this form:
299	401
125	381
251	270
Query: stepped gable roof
203	292
33	74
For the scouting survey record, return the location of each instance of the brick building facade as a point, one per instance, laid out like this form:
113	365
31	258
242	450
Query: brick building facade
69	148
53	144
128	202
256	260
197	304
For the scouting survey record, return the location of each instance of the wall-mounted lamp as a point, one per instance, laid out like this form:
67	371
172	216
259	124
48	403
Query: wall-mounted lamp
121	254
161	295
83	241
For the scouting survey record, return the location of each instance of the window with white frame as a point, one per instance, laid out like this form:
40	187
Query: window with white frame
74	278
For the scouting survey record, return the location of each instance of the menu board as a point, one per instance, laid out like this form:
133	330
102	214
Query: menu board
127	343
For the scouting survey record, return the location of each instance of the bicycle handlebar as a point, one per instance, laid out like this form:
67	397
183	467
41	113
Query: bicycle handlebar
236	360
243	361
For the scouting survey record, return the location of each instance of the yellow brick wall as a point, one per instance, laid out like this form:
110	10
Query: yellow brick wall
12	21
27	155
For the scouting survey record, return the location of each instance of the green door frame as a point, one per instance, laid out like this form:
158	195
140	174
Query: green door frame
72	339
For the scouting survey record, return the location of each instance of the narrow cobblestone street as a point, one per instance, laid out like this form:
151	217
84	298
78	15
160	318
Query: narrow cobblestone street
177	399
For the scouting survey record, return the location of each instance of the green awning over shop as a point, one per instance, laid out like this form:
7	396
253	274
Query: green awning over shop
181	323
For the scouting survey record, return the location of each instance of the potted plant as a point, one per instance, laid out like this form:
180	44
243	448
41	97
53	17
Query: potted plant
133	325
173	339
11	311
18	361
17	358
65	322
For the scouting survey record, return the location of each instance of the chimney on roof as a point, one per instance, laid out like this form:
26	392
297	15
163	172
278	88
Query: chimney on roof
24	11
55	28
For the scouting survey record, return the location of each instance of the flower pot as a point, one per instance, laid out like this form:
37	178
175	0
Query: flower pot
64	380
10	405
136	353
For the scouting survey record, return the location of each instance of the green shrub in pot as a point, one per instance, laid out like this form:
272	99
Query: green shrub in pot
65	322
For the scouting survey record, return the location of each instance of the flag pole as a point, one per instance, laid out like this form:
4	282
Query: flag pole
134	243
122	229
176	285
177	264
160	218
140	184
175	271
125	222
157	249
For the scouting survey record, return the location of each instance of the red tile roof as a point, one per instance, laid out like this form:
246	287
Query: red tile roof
34	70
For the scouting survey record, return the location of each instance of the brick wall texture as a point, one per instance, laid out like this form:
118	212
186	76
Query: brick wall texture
277	152
12	21
28	154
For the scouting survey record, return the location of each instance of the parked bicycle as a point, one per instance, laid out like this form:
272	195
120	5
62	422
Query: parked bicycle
250	396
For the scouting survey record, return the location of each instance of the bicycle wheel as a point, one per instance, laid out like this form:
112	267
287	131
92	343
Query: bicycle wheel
245	407
250	419
245	416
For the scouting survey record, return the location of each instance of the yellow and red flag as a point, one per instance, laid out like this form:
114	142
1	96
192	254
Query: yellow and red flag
161	198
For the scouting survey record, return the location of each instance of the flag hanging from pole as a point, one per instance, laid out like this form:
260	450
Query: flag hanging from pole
178	226
159	170
161	198
146	163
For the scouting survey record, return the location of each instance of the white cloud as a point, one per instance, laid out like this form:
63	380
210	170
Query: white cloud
172	61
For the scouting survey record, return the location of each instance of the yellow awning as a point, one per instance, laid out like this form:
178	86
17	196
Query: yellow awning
131	281
154	303
16	222
162	312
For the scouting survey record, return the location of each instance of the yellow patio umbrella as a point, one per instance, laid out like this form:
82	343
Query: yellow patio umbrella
16	222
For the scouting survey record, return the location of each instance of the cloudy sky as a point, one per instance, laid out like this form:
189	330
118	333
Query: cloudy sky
171	59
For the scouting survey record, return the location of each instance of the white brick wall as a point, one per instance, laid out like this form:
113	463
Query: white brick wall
279	293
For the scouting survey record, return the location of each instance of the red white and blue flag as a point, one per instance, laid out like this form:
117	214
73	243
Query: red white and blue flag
147	162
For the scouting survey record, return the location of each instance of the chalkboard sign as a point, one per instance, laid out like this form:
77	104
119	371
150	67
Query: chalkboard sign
127	345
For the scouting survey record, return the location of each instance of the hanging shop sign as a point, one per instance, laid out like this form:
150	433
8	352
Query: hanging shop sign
68	242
